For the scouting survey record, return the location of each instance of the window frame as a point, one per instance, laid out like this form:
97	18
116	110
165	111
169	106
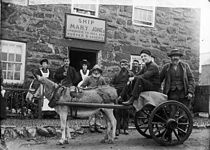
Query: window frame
141	24
96	11
11	44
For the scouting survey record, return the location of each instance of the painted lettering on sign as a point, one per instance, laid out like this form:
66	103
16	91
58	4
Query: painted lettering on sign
86	28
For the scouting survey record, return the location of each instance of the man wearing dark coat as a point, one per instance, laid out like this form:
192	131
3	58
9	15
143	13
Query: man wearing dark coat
119	81
67	75
148	78
178	79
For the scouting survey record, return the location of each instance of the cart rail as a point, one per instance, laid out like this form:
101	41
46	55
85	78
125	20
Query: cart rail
95	105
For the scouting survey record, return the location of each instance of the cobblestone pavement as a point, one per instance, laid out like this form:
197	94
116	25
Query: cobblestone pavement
199	140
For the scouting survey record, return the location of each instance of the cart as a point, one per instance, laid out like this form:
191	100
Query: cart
168	123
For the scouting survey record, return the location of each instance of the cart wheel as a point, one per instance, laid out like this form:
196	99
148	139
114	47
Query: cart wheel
142	119
170	123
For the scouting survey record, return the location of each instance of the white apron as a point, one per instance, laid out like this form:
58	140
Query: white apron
45	106
83	76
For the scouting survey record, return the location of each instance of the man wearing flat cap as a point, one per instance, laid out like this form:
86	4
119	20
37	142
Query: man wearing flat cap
178	79
119	81
148	79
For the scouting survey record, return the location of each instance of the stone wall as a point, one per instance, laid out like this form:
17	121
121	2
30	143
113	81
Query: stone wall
39	24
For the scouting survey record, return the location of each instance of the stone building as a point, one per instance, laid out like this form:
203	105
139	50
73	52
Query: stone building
41	29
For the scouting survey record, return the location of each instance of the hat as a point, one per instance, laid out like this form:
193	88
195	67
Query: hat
145	51
135	60
96	67
84	61
175	52
44	60
123	61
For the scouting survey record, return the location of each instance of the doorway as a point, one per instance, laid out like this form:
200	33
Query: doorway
77	54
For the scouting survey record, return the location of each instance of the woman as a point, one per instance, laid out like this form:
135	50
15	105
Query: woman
84	71
44	71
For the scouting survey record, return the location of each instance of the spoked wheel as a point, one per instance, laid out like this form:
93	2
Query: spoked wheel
170	123
142	119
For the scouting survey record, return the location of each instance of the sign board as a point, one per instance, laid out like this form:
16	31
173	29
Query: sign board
85	28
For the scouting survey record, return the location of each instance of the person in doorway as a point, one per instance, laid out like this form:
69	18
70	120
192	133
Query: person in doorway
119	81
179	83
148	78
3	113
66	76
94	80
84	71
136	67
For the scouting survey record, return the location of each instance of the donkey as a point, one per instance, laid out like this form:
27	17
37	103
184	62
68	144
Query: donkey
62	94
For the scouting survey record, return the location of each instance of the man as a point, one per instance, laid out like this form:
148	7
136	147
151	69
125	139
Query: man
94	80
178	79
119	81
148	78
135	67
66	76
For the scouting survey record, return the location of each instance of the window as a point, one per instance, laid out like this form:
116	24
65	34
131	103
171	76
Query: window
81	8
143	15
13	61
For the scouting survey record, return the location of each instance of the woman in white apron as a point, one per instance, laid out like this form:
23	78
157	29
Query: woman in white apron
44	71
84	71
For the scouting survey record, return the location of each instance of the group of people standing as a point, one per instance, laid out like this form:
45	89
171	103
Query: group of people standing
176	77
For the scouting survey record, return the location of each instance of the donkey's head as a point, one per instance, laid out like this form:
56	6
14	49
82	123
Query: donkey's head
45	88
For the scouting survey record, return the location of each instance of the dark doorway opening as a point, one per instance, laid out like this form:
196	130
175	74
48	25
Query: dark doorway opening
76	55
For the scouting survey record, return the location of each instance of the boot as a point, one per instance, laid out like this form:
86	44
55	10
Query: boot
129	102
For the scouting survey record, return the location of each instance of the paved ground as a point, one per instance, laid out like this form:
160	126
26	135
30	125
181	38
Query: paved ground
199	140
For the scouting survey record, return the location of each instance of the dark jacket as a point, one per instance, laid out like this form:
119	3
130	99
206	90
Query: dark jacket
120	79
72	77
151	73
50	74
2	101
188	78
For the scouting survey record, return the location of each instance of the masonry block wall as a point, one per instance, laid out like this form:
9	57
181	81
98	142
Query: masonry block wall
39	24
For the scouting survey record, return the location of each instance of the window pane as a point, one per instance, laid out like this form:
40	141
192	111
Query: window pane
4	74
11	57
4	56
4	66
10	66
17	67
17	76
10	75
18	57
